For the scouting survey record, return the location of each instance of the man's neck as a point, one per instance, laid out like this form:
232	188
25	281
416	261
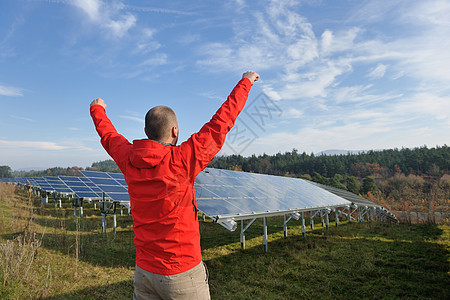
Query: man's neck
162	143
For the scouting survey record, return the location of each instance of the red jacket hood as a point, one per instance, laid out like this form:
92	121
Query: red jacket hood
147	154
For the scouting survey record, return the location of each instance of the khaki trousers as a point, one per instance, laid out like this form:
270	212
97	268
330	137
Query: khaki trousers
192	284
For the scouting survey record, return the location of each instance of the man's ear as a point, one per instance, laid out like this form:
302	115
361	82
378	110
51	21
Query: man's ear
174	131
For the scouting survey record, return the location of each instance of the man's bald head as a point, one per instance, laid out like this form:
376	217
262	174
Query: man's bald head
159	124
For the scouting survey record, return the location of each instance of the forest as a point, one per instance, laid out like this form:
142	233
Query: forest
403	180
417	161
411	180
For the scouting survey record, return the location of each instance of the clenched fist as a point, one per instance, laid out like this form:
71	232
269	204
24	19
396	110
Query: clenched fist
99	101
251	75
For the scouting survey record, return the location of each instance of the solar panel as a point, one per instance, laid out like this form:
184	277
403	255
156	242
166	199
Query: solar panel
348	195
112	184
43	184
225	194
58	185
83	189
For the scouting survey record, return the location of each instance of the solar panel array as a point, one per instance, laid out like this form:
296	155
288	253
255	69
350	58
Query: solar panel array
222	195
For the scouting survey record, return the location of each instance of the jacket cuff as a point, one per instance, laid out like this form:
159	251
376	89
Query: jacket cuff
247	82
94	107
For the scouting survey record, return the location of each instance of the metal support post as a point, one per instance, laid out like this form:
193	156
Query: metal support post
265	243
44	199
312	221
321	218
75	211
81	211
95	205
121	210
349	217
243	230
114	223
327	221
336	212
242	235
104	223
303	224
285	227
60	204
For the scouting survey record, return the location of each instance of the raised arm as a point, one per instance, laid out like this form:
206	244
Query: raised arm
199	150
115	144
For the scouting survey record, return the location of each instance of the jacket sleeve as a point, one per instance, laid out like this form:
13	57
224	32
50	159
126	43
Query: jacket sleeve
199	150
115	144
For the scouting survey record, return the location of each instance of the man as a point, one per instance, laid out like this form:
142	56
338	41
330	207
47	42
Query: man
160	178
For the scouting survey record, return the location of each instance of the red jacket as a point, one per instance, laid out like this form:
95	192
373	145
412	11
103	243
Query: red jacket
161	185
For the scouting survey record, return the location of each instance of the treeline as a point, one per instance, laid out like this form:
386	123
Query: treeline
386	163
103	166
56	171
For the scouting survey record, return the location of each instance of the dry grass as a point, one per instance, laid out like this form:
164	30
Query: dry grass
17	256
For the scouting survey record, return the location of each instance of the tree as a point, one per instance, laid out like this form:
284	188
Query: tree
369	185
316	177
337	181
353	184
108	165
5	171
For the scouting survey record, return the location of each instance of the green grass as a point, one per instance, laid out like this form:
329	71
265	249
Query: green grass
351	261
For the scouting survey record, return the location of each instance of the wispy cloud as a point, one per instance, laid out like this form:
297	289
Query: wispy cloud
10	91
33	145
133	118
147	42
43	145
158	10
22	118
377	72
108	15
293	113
157	60
210	95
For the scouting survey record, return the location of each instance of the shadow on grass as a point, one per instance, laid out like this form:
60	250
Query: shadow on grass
106	250
336	264
120	290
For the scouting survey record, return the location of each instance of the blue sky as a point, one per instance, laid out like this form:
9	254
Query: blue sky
353	75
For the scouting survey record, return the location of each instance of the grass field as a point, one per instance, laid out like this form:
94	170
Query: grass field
43	255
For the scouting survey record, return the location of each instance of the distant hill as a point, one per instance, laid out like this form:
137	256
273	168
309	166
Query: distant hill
340	152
